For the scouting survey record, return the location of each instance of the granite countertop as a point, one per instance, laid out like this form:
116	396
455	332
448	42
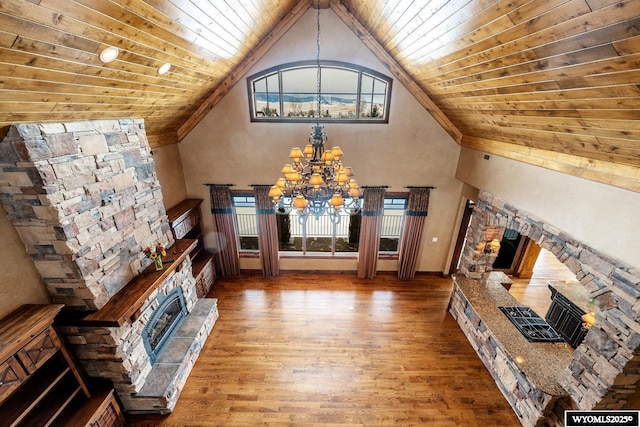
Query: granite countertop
575	293
541	362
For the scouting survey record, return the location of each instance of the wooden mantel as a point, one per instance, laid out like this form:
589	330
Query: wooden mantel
123	305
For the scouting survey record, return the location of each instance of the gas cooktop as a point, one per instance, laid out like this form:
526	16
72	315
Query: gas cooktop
533	327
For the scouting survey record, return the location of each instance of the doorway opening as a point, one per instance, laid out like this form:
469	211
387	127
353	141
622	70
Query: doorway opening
533	290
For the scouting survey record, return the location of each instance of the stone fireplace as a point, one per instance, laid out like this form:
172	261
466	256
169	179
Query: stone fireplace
603	371
85	199
164	320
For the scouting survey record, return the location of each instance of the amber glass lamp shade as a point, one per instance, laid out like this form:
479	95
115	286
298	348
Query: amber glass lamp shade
295	155
294	177
286	169
300	202
337	153
308	151
275	192
336	201
316	180
327	157
355	192
342	178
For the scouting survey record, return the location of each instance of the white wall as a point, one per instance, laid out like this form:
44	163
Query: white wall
602	216
19	280
412	149
168	167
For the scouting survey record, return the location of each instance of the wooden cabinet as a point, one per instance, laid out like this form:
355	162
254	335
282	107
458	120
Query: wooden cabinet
185	221
102	410
566	318
40	384
40	381
11	376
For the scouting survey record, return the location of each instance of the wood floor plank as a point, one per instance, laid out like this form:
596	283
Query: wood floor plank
330	349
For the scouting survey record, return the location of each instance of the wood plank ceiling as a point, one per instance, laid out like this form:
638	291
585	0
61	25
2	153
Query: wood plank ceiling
550	82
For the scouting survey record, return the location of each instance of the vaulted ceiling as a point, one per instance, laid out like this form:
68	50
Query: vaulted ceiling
554	83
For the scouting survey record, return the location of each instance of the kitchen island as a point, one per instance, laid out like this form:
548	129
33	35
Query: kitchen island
526	372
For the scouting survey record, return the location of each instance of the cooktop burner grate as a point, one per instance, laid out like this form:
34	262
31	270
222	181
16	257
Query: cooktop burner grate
533	327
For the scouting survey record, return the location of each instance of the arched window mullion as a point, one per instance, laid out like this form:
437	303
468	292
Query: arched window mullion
373	88
359	96
266	85
280	97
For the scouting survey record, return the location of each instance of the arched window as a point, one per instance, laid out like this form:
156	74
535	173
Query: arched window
348	93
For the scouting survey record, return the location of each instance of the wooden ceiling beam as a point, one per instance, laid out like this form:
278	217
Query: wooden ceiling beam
243	67
320	4
395	68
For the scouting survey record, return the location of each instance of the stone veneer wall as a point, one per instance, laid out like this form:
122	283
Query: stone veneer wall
85	199
118	353
606	366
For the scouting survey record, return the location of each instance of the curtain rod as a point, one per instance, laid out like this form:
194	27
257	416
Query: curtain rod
219	185
426	187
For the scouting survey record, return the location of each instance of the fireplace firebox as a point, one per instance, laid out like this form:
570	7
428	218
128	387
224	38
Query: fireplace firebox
165	319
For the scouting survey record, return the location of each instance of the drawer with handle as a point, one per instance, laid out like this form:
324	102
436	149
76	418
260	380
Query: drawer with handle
39	350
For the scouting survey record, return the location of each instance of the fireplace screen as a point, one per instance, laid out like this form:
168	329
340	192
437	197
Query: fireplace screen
163	322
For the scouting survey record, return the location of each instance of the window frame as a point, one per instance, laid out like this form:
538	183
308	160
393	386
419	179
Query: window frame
279	69
247	195
396	201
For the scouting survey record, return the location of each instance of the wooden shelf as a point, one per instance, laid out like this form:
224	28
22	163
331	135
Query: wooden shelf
185	222
183	209
123	305
53	403
22	402
203	273
201	262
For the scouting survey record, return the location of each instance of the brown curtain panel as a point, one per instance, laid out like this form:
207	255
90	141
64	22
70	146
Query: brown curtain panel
412	227
372	210
226	236
267	231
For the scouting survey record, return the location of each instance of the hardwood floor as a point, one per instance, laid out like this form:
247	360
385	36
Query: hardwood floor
534	292
330	349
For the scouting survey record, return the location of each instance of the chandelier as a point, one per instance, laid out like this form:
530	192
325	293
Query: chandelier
316	181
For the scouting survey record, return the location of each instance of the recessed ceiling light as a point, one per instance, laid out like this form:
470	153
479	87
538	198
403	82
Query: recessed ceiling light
109	54
164	68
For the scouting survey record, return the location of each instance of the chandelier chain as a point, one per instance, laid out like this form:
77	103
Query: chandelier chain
318	75
317	181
